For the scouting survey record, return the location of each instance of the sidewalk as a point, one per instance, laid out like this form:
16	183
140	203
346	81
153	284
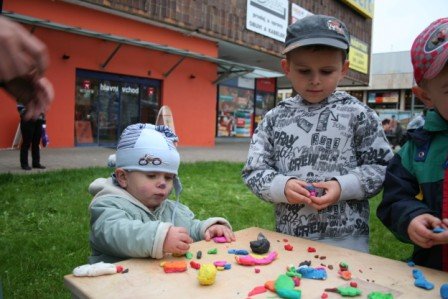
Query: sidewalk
82	157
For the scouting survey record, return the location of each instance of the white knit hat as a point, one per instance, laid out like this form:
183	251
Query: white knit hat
148	148
145	147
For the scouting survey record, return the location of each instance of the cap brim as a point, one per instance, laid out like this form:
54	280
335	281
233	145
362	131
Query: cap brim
316	41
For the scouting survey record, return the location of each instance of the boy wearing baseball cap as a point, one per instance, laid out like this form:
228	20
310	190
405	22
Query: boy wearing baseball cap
130	215
320	155
415	198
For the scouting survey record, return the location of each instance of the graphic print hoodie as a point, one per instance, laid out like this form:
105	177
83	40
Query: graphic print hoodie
339	138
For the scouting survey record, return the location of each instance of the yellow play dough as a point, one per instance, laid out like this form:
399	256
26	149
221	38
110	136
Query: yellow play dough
207	274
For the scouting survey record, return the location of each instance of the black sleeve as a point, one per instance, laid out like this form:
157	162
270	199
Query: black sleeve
399	204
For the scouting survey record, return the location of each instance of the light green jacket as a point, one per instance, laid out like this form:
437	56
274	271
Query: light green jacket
122	227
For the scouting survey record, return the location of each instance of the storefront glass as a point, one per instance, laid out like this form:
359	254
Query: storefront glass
107	103
235	111
264	98
383	99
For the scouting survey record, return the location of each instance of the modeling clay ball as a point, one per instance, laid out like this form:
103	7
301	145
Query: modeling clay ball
438	230
311	189
207	274
220	239
444	291
195	265
347	275
261	245
289	247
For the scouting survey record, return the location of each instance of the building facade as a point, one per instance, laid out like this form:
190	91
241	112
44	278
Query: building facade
390	88
117	62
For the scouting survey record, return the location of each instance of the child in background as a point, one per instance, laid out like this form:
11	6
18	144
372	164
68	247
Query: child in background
130	213
320	137
415	198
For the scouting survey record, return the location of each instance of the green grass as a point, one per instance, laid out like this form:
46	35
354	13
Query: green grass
44	221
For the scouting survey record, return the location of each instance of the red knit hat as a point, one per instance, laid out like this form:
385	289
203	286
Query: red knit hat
429	52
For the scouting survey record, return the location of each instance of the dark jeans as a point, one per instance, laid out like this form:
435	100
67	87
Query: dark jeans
31	134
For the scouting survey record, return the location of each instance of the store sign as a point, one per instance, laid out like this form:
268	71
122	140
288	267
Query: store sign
246	83
358	55
266	84
268	18
105	87
129	90
364	7
298	13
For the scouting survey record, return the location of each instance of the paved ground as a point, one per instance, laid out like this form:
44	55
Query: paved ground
81	157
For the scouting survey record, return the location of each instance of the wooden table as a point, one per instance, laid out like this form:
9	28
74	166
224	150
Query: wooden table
146	279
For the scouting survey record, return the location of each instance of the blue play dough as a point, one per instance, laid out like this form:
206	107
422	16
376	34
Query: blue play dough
420	280
238	251
411	264
444	291
312	273
438	230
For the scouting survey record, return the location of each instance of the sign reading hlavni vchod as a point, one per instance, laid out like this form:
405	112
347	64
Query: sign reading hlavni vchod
268	17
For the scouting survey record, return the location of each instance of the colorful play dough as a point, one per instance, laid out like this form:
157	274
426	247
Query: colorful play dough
207	274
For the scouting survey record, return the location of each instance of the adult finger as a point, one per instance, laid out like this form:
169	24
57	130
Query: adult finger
34	48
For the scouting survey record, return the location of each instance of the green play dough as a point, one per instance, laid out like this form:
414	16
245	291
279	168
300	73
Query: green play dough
284	287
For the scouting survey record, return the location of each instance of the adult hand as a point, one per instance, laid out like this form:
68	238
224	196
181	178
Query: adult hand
218	230
21	53
36	95
177	241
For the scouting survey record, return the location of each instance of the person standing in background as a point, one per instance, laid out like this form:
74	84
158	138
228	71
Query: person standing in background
31	130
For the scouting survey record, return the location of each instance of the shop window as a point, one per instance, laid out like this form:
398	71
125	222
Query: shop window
235	111
411	102
356	93
105	104
383	99
264	98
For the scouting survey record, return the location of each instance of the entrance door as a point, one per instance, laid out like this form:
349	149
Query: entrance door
129	107
108	105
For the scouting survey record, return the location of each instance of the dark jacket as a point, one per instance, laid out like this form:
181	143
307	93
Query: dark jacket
417	183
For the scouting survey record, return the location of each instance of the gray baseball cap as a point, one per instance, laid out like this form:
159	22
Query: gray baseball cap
317	30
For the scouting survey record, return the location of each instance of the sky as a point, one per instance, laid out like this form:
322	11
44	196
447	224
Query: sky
397	23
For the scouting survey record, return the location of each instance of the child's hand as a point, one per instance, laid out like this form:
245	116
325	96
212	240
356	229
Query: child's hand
420	231
296	192
177	241
331	195
218	230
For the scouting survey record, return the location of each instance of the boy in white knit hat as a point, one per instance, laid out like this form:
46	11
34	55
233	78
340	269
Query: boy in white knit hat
130	213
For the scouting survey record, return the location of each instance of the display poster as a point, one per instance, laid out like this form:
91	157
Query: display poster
298	12
364	7
264	101
358	55
268	18
235	112
83	132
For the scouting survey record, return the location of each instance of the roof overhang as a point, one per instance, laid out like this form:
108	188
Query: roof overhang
226	69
